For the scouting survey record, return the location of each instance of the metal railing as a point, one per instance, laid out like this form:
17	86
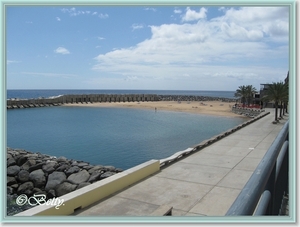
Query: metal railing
263	193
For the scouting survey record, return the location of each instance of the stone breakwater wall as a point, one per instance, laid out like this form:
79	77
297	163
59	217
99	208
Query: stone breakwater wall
191	98
34	173
41	102
248	112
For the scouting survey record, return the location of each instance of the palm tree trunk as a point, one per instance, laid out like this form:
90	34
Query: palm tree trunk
280	112
276	111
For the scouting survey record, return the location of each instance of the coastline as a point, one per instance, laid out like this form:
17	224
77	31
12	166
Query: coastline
217	108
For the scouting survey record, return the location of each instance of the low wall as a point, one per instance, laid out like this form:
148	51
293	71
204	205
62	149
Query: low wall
90	194
249	112
27	103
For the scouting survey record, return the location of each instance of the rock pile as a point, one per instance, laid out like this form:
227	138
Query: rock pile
35	173
193	98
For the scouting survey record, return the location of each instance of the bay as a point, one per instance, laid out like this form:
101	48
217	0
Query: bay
121	137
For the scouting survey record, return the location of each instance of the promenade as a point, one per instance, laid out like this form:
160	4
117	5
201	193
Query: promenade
205	183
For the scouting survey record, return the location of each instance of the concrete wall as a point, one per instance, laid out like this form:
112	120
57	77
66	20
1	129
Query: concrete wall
92	193
25	103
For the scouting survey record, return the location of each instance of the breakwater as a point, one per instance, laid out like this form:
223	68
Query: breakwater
193	98
248	112
35	173
54	101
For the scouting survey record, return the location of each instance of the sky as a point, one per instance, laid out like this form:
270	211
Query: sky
184	47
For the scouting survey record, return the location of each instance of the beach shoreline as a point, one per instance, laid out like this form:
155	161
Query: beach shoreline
216	108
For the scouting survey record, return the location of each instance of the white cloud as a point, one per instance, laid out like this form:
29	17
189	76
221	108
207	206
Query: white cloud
177	11
103	16
137	26
61	50
271	21
150	9
100	38
73	12
11	62
192	15
230	48
58	19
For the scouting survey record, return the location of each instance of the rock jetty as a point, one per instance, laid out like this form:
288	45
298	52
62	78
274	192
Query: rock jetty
193	98
35	173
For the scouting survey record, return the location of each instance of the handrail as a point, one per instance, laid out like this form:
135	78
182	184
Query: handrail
247	200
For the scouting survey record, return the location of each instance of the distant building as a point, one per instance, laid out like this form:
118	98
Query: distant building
262	93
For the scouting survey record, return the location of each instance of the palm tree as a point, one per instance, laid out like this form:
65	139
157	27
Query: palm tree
245	93
250	90
276	92
241	93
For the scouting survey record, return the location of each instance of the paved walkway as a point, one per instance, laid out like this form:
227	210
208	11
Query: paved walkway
205	183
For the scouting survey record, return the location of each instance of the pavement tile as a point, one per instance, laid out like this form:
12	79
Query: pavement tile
216	202
213	160
117	206
248	164
257	153
181	195
201	174
235	179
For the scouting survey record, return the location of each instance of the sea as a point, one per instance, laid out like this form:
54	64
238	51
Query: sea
119	137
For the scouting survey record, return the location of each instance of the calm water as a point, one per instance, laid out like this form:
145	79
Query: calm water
108	136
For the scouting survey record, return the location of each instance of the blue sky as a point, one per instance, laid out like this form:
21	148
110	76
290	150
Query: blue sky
145	47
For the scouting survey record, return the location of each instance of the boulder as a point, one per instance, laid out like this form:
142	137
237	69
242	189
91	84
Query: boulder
36	166
23	176
95	168
61	159
13	170
64	188
73	169
63	168
55	179
49	167
83	185
51	194
82	164
21	160
106	174
94	177
80	177
14	186
11	181
38	178
10	162
109	168
118	170
28	164
25	188
88	167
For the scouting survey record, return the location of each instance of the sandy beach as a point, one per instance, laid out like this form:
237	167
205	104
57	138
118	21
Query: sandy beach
205	107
